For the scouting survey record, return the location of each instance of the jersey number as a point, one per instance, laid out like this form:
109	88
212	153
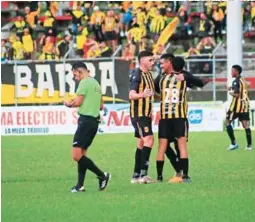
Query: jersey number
171	95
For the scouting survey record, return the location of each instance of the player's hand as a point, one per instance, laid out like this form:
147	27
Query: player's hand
105	110
67	103
229	88
180	77
147	93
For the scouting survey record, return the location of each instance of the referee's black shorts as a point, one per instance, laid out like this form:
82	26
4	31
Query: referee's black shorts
172	129
86	131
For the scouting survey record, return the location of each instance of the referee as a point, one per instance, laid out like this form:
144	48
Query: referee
89	103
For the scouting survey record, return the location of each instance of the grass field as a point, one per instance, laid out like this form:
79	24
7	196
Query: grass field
37	173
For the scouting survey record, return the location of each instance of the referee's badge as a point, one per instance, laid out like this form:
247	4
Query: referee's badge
146	129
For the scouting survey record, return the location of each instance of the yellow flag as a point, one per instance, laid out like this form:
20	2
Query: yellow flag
167	33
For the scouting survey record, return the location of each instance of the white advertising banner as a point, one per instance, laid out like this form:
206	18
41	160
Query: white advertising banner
48	120
38	120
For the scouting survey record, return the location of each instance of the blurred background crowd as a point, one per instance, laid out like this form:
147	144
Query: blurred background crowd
89	29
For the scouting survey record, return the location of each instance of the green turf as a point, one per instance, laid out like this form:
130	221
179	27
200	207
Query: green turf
37	173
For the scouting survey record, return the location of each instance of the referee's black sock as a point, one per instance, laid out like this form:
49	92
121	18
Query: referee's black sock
146	152
81	173
185	166
248	136
90	165
231	134
160	165
138	158
173	159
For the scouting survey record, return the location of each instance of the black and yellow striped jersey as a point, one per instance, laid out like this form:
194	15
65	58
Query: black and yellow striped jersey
240	104
143	106
158	23
173	94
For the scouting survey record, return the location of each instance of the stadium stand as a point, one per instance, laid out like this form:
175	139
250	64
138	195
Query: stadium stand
46	30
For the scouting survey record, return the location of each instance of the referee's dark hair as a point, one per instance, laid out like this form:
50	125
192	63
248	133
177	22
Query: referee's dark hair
79	64
237	68
178	63
144	54
167	56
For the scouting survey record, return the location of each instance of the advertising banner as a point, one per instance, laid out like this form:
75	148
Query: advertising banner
51	82
49	120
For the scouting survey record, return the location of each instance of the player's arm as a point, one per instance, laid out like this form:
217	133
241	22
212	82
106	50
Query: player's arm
156	84
157	87
234	91
192	80
75	102
81	93
134	86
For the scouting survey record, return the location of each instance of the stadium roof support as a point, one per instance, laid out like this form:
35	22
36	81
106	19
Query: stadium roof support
234	37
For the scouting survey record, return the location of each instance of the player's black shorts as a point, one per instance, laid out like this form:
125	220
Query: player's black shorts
86	131
172	129
110	35
142	126
241	116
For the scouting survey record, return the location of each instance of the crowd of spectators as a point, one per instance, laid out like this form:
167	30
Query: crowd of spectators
97	31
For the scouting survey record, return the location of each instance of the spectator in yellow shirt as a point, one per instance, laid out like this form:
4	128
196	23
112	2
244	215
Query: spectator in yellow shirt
63	46
77	16
135	34
141	17
28	44
96	21
81	38
152	11
217	18
94	51
49	23
30	16
157	25
19	26
18	49
111	29
48	50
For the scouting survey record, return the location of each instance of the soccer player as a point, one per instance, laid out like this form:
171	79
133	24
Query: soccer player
172	87
173	156
89	103
239	108
141	97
